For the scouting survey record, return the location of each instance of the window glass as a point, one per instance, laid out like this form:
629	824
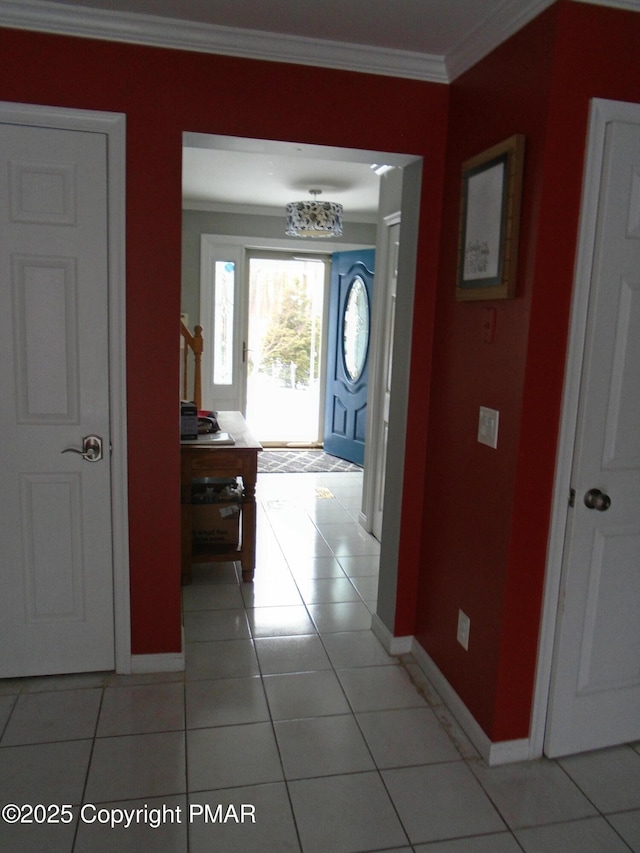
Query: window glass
223	307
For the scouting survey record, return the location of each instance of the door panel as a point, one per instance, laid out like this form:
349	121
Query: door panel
56	587
348	354
595	697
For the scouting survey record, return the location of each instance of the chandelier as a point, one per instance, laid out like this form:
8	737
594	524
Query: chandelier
313	218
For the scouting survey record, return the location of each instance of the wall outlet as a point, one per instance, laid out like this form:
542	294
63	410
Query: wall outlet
464	626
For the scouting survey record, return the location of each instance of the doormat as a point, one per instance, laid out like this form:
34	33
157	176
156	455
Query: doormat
302	462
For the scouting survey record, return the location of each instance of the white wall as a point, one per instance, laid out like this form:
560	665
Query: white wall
404	197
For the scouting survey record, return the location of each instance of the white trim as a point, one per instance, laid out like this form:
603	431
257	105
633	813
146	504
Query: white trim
508	18
168	662
134	28
494	753
156	31
113	125
502	752
629	5
393	218
157	663
602	112
377	381
510	751
294	150
393	645
284	244
118	399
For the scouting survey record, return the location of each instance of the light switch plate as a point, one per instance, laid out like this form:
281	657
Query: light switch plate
464	628
488	427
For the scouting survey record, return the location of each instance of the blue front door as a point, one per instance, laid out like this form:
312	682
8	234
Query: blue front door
348	354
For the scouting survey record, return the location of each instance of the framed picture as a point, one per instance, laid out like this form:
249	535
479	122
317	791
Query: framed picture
490	222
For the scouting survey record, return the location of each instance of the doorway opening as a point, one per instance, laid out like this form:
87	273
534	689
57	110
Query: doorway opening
234	193
284	350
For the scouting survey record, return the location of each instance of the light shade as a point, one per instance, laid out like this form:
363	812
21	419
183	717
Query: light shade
314	219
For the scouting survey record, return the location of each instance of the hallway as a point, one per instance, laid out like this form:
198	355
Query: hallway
291	713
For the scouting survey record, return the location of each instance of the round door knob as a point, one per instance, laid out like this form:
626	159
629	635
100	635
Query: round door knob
595	499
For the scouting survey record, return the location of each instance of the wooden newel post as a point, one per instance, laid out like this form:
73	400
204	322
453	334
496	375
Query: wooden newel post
194	343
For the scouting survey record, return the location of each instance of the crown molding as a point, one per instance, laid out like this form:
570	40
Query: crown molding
135	28
628	5
228	41
498	27
495	29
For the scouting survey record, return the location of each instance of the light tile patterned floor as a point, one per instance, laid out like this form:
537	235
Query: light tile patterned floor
291	710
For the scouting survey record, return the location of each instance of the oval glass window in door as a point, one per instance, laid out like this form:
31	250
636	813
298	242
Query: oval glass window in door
355	339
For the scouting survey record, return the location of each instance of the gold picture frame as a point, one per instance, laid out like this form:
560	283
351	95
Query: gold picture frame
490	222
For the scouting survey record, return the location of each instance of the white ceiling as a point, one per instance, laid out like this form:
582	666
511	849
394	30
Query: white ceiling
229	174
227	180
432	40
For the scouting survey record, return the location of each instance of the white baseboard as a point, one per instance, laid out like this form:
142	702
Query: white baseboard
393	645
494	753
173	662
157	663
510	751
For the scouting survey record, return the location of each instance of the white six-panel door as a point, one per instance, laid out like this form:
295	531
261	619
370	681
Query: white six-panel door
56	583
595	692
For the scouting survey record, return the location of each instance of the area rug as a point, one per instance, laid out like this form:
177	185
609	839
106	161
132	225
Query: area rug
302	462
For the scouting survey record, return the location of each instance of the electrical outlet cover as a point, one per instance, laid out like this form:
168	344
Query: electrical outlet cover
488	427
464	627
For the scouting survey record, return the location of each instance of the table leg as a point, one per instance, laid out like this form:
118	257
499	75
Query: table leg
248	560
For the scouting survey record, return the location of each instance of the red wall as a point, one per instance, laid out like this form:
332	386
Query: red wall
487	511
163	93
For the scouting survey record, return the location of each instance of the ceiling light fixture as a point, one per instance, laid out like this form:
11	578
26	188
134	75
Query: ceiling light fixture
313	218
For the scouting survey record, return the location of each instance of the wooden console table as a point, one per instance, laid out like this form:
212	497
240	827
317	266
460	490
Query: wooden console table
202	457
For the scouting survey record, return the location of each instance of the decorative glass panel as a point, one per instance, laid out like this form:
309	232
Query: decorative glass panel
356	329
223	307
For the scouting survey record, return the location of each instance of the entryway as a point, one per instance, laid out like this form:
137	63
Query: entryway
216	235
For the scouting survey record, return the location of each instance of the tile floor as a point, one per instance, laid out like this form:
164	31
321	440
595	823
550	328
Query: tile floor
289	713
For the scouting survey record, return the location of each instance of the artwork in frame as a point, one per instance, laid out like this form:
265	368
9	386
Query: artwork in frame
490	222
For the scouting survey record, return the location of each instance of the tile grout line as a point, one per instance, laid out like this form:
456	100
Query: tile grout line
352	713
88	770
